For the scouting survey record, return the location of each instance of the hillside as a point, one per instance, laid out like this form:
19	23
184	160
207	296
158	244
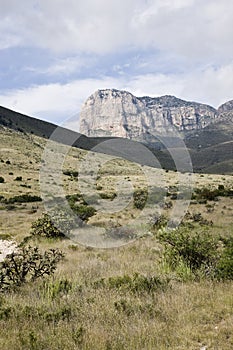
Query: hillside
210	148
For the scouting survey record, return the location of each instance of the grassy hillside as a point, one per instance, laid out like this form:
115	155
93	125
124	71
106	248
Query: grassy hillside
210	149
119	298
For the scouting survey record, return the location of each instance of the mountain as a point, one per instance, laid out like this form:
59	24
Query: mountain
119	113
210	147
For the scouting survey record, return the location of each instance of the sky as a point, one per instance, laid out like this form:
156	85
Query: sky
55	53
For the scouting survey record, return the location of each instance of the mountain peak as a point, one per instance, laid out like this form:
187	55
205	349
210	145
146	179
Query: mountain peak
112	112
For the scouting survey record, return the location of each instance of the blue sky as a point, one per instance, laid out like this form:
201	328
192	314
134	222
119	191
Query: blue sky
55	53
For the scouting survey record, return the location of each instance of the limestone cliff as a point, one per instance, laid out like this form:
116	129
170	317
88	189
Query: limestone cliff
119	113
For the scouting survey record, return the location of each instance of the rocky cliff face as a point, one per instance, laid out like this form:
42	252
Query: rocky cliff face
118	113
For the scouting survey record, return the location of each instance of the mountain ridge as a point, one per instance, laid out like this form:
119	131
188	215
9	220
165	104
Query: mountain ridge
112	112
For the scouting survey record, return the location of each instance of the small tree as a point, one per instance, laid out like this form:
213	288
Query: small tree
27	264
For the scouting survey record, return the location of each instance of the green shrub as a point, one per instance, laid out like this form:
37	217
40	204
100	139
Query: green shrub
27	264
57	288
84	212
24	198
136	284
196	250
46	227
108	195
2	179
224	269
140	198
71	173
18	178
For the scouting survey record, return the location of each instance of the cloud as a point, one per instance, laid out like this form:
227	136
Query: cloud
54	102
58	102
190	28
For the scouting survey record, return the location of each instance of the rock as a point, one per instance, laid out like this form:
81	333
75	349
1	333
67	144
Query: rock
119	113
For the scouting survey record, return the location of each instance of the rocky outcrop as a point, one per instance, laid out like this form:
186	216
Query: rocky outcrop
119	113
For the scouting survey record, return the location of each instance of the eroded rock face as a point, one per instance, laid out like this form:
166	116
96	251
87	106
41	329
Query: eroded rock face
118	113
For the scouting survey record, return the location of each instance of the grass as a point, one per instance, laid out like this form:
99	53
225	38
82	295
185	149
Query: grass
91	301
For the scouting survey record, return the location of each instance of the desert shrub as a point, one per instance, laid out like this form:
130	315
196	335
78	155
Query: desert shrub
18	178
57	288
108	195
197	250
24	198
205	193
71	173
136	284
84	212
8	162
140	198
27	264
224	269
2	179
56	228
159	221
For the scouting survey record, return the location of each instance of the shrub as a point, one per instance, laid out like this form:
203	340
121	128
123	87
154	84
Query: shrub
27	264
45	226
8	162
108	195
140	198
2	179
196	250
224	269
57	288
18	178
136	284
71	173
84	212
24	198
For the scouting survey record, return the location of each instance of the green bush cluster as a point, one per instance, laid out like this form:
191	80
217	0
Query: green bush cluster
211	194
27	264
23	198
199	252
140	198
46	227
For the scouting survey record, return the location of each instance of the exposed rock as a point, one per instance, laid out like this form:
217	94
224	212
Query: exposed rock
119	113
226	107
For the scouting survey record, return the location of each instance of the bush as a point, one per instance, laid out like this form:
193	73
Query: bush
140	198
45	227
27	264
84	212
136	284
224	269
2	179
18	178
71	173
196	250
24	198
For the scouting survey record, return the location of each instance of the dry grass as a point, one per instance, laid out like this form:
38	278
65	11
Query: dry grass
92	314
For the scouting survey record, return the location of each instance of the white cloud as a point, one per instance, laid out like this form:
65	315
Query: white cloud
58	102
54	101
195	29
